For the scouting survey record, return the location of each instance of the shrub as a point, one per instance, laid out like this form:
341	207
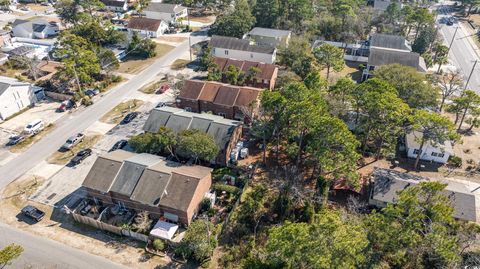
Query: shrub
219	187
158	244
455	161
87	101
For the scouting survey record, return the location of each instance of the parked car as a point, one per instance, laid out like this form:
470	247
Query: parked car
72	141
66	105
449	22
34	127
81	155
13	140
162	104
33	213
129	117
163	88
119	145
91	92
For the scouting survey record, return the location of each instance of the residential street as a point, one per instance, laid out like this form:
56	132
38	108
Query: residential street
80	120
463	53
45	253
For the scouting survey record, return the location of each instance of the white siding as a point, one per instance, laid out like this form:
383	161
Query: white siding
244	55
14	99
426	154
168	17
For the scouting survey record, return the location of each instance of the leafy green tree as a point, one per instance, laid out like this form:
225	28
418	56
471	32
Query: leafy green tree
424	40
107	60
78	58
328	242
467	101
68	11
411	85
298	56
206	59
330	57
385	114
314	81
474	120
142	47
232	75
434	129
343	88
266	13
294	14
393	12
252	209
5	4
162	141
10	253
197	145
418	230
199	241
236	24
470	5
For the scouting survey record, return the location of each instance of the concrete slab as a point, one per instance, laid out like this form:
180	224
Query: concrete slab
43	110
44	169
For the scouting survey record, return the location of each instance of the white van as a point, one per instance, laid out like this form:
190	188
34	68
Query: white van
34	127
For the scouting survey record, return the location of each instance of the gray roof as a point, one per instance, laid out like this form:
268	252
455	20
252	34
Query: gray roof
412	139
463	195
381	4
238	44
380	57
269	32
177	119
389	41
166	8
36	25
145	178
3	87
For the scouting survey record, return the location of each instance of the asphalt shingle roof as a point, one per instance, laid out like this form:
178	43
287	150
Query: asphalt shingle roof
238	44
380	57
269	32
142	23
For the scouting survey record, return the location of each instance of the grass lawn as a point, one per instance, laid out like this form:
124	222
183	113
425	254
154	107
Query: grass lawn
32	139
179	64
134	65
350	69
203	19
116	115
63	158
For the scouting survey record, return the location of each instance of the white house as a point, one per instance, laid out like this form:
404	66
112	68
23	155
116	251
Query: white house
269	37
116	5
170	13
16	95
37	28
436	153
241	49
146	27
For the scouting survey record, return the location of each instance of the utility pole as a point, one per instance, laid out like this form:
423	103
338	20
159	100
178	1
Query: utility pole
471	72
453	38
189	36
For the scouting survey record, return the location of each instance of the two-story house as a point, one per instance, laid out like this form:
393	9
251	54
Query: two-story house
438	153
37	28
116	5
269	37
170	13
265	74
232	102
241	49
16	95
145	27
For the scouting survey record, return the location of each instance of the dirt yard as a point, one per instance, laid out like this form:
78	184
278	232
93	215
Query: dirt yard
351	69
115	115
61	227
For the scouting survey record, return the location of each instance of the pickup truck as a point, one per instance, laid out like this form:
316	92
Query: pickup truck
33	212
72	141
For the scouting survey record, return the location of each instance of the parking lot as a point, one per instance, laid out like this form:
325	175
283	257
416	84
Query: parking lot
65	185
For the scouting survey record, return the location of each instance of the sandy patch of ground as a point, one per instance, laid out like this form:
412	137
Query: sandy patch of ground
351	69
61	227
133	65
115	115
43	110
174	39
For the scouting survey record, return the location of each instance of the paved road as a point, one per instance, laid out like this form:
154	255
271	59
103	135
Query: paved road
46	253
463	53
80	120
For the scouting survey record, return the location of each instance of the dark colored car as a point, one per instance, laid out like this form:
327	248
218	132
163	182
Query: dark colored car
119	145
91	92
129	117
450	22
66	105
33	213
15	140
81	155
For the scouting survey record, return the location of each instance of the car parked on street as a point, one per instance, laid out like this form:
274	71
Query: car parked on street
13	140
81	155
33	213
34	127
119	145
129	117
91	92
163	89
72	141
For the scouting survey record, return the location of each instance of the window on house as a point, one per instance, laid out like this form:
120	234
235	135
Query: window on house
226	52
416	151
441	155
434	154
251	55
188	109
222	114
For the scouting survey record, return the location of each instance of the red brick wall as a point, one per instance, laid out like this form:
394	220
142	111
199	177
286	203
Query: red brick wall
192	104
